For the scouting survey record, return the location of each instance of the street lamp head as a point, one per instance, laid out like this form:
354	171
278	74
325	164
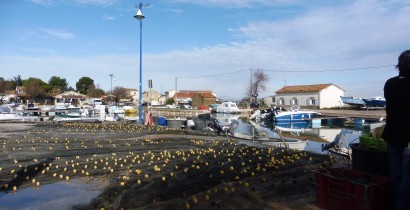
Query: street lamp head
139	15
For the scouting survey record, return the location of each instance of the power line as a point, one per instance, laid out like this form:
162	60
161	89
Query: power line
214	75
297	71
333	70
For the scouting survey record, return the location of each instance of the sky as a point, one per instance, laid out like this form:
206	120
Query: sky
206	44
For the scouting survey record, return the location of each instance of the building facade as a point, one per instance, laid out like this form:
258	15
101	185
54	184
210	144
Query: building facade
195	97
318	95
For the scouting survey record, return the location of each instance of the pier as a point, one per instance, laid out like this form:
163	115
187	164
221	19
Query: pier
367	114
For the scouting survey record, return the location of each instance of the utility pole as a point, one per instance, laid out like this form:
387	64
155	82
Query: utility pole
150	92
250	99
176	91
111	75
17	78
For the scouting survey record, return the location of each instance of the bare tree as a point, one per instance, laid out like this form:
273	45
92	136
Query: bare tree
258	83
121	93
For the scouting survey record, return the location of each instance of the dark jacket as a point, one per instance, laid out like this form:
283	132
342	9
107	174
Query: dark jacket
397	94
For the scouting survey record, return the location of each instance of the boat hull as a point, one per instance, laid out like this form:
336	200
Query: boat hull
352	101
375	103
294	116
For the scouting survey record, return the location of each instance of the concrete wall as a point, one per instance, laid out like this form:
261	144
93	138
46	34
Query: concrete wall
330	97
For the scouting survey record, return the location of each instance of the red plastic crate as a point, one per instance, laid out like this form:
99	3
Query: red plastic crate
347	189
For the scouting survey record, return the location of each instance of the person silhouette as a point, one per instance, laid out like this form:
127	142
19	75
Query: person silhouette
397	131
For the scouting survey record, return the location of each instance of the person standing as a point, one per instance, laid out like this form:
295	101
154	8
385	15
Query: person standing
397	131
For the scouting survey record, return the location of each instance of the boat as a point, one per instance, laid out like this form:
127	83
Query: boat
255	132
226	107
74	112
262	114
9	113
294	128
60	107
377	101
352	100
340	146
294	115
116	110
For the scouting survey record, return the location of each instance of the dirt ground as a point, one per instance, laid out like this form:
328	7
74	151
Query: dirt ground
151	167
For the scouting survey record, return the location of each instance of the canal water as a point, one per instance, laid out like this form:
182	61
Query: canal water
315	134
61	195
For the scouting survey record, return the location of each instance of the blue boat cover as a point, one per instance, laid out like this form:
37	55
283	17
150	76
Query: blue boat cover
162	121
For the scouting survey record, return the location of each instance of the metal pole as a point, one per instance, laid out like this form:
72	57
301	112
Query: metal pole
17	90
176	91
251	89
111	90
140	87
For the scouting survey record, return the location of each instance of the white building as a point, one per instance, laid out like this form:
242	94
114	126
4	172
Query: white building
319	95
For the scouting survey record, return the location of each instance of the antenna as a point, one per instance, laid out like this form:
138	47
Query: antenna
140	5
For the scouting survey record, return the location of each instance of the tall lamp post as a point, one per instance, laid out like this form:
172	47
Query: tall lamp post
139	17
111	89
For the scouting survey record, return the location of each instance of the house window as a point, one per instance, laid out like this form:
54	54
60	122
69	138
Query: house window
312	101
281	101
294	101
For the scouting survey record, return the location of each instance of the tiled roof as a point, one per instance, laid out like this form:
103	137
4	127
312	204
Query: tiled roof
190	94
185	95
303	88
207	95
70	94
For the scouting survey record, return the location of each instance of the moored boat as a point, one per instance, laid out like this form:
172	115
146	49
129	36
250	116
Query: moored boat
377	101
352	100
226	107
294	115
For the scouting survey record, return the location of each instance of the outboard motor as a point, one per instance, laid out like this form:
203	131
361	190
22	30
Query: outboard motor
334	143
214	125
233	126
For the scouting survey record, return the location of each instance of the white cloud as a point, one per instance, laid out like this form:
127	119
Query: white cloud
57	33
108	17
44	2
236	3
103	3
96	2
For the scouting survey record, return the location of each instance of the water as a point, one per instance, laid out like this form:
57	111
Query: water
61	195
317	133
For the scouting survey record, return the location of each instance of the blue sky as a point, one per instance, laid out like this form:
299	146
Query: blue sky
296	42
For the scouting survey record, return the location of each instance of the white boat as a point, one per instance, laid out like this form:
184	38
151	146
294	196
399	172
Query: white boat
60	107
10	114
116	110
76	114
226	107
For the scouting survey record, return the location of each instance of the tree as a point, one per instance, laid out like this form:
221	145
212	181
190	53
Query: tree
2	89
120	93
84	84
259	80
170	101
95	92
57	84
34	87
